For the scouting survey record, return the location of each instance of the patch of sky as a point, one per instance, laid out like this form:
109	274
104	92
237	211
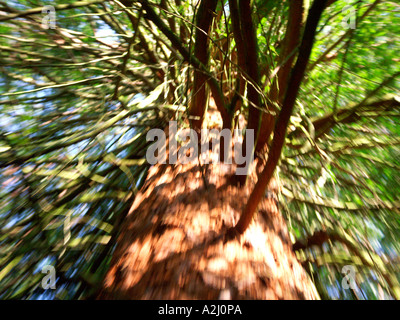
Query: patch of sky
14	220
49	260
76	149
326	30
105	34
226	8
118	137
136	99
46	295
10	184
17	5
18	218
71	272
333	292
80	210
6	123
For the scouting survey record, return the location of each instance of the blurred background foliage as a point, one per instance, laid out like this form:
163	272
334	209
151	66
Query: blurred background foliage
77	101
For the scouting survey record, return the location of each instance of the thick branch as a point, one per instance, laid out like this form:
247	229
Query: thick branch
350	114
176	43
246	41
279	85
284	116
201	51
252	69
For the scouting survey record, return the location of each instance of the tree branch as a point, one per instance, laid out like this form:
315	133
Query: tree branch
176	43
201	52
279	85
284	116
57	8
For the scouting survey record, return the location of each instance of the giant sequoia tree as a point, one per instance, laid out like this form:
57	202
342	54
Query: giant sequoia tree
316	81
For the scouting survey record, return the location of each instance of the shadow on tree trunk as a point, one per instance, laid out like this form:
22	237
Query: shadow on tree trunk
172	245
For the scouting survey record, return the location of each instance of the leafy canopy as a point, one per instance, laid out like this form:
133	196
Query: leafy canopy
77	101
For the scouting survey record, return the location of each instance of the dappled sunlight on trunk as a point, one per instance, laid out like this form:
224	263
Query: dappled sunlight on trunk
172	245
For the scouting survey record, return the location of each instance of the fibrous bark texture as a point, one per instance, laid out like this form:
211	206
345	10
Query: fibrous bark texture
172	245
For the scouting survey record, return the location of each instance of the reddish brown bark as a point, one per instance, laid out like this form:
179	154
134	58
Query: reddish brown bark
172	244
279	85
204	20
176	43
284	116
251	65
246	42
239	42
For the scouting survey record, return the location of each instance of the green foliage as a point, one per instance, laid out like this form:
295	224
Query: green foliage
78	100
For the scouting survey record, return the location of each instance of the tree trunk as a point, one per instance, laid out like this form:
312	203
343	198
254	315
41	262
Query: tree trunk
172	245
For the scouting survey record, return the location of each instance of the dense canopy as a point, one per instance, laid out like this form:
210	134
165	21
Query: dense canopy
77	99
